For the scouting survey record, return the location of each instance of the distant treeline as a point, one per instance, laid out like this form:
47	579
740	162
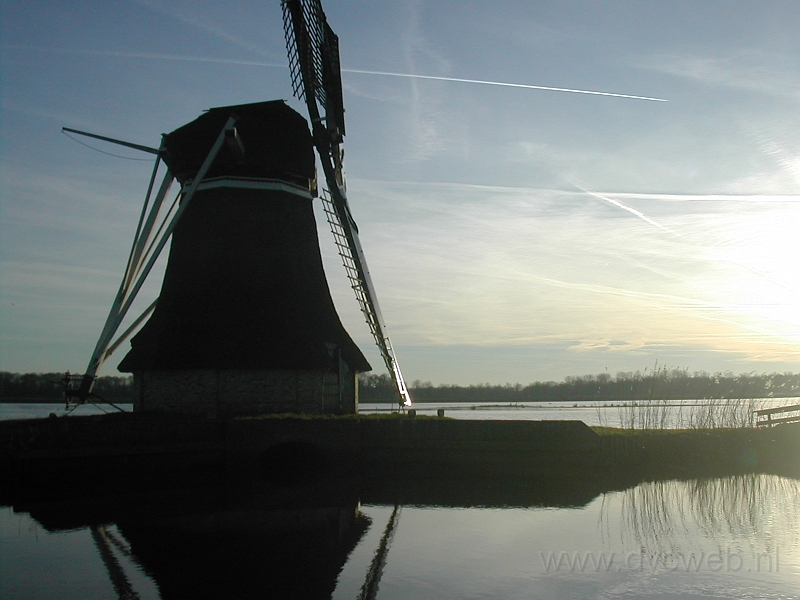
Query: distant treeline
662	383
49	386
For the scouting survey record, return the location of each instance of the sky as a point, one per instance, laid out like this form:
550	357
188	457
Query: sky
513	234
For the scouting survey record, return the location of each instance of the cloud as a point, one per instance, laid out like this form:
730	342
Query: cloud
194	21
783	152
751	70
456	264
46	114
633	211
149	56
427	112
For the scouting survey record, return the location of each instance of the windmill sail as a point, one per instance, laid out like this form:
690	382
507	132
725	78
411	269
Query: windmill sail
313	50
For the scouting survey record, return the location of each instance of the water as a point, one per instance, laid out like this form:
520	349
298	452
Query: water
41	410
654	540
730	537
677	413
733	537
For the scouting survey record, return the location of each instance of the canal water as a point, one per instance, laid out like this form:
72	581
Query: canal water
723	537
732	537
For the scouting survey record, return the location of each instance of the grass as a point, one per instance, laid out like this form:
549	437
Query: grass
703	452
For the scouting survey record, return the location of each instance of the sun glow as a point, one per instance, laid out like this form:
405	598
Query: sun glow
595	270
757	254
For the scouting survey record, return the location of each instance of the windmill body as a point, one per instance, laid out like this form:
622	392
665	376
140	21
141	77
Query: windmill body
245	323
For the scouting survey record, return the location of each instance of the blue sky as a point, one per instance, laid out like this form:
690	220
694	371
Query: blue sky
513	234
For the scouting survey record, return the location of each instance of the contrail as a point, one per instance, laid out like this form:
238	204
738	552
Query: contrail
647	219
503	84
157	56
633	211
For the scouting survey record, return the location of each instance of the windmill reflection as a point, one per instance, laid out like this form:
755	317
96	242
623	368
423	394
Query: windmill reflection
104	539
369	591
275	553
254	537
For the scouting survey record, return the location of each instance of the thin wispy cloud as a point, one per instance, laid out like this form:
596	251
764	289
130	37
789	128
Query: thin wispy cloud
785	155
482	265
184	17
633	211
748	198
149	56
426	116
698	248
752	70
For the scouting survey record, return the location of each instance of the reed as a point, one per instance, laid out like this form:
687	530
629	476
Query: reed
706	413
657	411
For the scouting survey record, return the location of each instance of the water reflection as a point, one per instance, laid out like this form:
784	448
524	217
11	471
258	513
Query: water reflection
752	512
105	539
279	553
369	591
434	538
251	538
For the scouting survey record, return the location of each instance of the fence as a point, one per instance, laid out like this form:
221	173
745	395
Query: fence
766	417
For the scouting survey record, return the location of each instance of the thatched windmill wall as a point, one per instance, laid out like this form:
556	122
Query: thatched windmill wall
245	323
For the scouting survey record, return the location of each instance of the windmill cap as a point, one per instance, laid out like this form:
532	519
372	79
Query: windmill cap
275	140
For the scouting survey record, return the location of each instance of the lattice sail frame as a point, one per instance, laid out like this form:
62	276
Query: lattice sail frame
313	51
362	295
314	57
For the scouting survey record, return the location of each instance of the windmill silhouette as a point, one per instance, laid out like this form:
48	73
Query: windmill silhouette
245	323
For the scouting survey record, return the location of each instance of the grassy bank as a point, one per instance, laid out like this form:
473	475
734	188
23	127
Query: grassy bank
705	452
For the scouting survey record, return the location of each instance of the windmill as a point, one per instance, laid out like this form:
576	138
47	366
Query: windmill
244	309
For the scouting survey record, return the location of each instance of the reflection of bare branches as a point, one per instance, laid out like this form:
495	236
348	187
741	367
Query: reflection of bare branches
661	516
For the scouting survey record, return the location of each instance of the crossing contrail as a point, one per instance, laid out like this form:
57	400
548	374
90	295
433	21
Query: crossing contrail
504	84
624	207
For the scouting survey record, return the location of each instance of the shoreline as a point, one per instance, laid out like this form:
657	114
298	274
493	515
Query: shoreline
43	457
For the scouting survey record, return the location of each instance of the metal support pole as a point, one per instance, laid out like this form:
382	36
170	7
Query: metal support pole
137	251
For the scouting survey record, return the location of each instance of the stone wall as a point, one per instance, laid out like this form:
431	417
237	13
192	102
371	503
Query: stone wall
227	392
